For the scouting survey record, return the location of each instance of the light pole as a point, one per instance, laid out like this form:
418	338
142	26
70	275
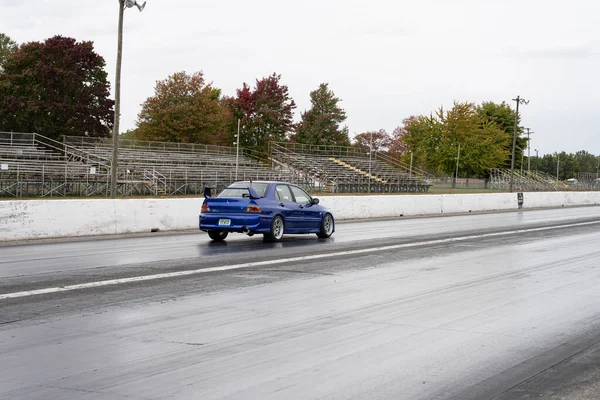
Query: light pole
237	149
410	166
115	153
557	165
519	100
536	160
457	160
528	150
598	168
522	157
370	151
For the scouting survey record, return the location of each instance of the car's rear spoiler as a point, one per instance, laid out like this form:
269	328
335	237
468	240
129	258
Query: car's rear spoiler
251	190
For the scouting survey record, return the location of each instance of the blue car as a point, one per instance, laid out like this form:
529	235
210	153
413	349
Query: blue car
270	208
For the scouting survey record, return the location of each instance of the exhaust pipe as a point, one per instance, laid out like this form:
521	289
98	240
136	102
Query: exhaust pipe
245	230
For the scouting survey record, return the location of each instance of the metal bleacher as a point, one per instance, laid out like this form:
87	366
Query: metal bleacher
34	166
165	168
348	170
529	181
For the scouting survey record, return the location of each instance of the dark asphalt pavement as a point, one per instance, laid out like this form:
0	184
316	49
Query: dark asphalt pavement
487	306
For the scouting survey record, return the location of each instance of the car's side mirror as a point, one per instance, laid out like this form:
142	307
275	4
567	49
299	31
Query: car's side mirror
314	201
207	192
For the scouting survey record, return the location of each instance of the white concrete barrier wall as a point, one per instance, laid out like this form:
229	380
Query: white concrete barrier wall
33	219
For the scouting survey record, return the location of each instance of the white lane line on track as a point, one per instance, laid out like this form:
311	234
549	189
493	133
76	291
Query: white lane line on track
167	275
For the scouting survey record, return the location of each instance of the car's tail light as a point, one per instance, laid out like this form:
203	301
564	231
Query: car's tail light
253	208
205	208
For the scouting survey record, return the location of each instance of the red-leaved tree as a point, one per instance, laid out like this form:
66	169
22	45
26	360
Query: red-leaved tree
376	140
266	112
56	87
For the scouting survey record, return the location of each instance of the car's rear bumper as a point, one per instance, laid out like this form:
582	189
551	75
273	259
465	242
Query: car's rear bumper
239	222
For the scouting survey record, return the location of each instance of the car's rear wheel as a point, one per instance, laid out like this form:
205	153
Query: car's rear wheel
217	236
277	228
327	227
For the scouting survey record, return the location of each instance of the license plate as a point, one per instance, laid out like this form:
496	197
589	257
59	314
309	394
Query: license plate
224	222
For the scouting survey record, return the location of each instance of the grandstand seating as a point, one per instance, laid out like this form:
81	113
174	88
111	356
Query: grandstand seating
172	168
345	169
30	168
525	181
34	165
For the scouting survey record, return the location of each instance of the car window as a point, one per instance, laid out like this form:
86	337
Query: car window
282	193
240	189
301	196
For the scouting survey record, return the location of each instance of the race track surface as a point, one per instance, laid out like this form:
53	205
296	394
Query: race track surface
484	306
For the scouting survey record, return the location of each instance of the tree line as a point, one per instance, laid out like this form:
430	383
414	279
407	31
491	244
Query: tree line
59	87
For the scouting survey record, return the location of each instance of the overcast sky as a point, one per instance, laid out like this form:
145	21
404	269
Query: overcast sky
385	59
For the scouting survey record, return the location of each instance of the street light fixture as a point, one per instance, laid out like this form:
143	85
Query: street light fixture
115	153
519	100
131	3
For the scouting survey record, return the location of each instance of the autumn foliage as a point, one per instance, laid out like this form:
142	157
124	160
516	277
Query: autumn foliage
185	108
56	87
266	112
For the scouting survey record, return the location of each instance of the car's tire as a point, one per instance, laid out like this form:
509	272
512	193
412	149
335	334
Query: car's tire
327	227
277	229
217	236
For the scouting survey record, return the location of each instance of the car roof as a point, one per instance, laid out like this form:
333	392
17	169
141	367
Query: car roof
268	182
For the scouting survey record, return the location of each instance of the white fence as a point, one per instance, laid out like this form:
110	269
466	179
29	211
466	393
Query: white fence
34	219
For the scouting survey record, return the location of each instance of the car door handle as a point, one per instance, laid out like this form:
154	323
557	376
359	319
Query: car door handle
282	205
301	206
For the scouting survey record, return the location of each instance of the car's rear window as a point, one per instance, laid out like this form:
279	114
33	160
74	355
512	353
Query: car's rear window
240	189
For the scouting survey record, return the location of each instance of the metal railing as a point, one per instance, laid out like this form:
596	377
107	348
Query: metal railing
87	142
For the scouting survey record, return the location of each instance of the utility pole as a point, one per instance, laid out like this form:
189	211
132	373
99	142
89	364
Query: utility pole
370	151
557	165
528	150
115	153
410	167
237	149
457	160
536	160
522	157
519	100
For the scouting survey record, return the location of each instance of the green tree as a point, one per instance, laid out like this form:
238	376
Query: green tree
569	166
266	112
7	47
483	145
586	162
185	108
320	125
130	134
503	116
54	88
412	137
